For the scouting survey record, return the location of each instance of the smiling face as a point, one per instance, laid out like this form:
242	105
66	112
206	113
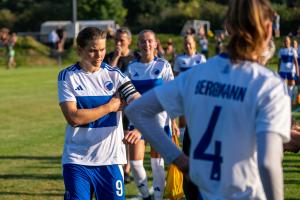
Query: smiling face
189	45
147	44
93	53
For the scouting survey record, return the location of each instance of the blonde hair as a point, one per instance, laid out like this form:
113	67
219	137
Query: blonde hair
245	23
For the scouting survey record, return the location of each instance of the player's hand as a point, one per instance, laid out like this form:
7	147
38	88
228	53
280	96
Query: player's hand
118	51
115	104
132	137
182	162
294	144
175	129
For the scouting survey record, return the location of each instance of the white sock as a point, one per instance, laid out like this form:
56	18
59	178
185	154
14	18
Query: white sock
158	172
140	177
290	90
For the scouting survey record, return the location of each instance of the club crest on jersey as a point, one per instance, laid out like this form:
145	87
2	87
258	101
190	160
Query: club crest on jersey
135	74
109	85
156	71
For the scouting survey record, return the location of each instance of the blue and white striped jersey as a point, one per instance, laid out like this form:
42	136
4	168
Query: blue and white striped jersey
99	142
184	62
146	76
287	56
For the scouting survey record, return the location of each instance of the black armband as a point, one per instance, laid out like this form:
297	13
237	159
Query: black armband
127	90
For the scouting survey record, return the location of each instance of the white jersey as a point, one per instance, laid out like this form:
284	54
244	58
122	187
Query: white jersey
287	56
203	42
184	62
145	76
99	142
226	106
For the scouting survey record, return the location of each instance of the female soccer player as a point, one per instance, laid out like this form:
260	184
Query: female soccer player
237	111
89	96
288	65
146	73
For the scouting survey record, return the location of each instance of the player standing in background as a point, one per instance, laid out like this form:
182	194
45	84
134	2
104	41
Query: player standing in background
288	66
88	94
147	72
186	61
189	58
238	113
120	58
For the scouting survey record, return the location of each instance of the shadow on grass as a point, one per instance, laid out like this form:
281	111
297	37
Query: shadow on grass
292	181
31	194
32	176
53	160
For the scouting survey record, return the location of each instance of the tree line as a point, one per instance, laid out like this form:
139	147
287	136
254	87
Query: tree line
165	16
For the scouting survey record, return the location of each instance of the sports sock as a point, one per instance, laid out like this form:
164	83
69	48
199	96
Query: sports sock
291	92
140	177
158	172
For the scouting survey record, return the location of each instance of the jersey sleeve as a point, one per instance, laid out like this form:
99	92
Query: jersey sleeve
65	91
274	111
295	53
170	96
168	73
124	86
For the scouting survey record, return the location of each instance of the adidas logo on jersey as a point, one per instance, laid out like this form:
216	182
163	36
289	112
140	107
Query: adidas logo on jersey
79	88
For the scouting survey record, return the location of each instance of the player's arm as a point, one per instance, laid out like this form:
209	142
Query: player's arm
77	117
270	164
143	113
129	94
175	129
296	64
116	56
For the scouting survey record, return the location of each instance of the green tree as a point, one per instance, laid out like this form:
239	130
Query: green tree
99	10
7	18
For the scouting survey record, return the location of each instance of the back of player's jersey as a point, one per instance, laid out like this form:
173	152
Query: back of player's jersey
227	106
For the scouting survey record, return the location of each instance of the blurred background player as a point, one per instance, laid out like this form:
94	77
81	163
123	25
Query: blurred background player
121	57
288	65
186	61
147	72
238	113
89	97
203	42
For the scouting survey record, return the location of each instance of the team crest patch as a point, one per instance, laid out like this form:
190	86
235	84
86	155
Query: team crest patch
156	71
109	85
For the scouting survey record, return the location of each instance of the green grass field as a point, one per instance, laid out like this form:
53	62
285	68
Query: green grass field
32	136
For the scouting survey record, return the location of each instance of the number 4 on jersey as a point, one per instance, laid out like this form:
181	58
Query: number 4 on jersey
215	158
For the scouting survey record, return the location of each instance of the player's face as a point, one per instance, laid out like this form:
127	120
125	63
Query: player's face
122	40
147	44
287	42
93	52
189	45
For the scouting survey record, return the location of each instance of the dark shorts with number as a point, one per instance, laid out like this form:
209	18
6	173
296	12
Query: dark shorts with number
81	182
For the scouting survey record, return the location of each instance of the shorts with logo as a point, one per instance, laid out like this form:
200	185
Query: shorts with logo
288	76
81	182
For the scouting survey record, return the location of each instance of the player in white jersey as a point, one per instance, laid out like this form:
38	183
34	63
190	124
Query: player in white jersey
288	65
237	111
146	73
189	58
88	94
